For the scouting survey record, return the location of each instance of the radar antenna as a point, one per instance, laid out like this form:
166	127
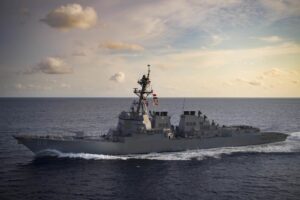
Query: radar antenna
148	75
144	92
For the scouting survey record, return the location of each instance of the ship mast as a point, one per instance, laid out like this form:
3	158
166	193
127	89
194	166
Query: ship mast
144	92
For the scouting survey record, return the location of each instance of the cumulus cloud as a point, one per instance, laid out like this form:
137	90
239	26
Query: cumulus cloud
53	65
71	16
271	39
118	77
121	46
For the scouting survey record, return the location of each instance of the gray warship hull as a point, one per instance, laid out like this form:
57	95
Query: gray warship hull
140	144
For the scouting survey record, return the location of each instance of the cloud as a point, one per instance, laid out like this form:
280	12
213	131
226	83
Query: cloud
186	19
268	77
223	57
71	16
64	85
216	40
254	83
273	72
276	75
19	86
53	65
282	9
271	39
121	46
31	86
250	82
145	20
118	77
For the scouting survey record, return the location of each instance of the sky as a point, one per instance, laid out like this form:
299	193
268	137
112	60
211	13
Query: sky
196	48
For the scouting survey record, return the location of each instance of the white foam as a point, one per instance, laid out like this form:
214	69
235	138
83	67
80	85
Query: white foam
291	144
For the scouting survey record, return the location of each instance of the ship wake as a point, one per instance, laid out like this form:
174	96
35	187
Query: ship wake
290	145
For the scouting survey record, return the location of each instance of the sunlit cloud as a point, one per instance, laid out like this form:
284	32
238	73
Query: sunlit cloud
53	65
222	57
273	72
271	39
121	46
71	16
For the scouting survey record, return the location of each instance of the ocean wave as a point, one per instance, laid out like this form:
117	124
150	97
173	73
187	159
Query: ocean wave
291	144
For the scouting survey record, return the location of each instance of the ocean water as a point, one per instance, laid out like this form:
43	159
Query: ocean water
270	171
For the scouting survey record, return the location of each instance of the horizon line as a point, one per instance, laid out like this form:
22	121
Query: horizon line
43	97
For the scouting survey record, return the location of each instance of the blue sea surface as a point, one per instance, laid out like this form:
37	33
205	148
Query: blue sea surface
270	171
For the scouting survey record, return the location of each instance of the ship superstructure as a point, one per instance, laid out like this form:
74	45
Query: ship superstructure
136	120
139	120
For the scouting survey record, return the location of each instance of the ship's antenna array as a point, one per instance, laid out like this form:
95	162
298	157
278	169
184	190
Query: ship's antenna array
148	71
144	92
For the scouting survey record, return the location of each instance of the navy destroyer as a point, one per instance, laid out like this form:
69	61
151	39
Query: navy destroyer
140	130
